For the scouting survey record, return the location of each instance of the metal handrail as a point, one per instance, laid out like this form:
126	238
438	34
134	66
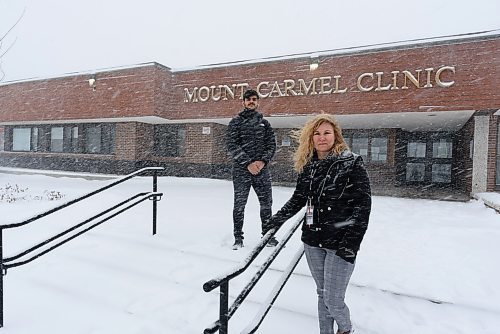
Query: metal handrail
142	197
226	312
76	200
119	207
259	317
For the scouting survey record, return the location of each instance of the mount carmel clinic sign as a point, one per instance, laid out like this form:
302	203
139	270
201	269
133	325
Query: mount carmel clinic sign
365	82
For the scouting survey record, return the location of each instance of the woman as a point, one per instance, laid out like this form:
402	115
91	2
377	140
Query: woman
334	186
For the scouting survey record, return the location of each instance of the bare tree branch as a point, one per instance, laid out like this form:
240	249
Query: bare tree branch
4	52
14	25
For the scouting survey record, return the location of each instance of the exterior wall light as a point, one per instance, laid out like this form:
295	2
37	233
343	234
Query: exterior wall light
92	83
314	64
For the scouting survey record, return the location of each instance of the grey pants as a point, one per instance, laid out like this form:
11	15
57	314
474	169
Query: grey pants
331	274
261	184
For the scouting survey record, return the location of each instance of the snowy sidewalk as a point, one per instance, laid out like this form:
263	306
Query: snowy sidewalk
424	266
489	199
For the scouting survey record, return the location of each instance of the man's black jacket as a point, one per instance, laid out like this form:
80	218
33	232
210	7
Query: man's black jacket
250	138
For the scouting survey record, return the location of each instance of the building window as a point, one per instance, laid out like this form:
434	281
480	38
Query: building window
416	149
415	172
181	142
285	140
93	139
34	139
441	173
73	144
360	146
442	149
2	140
21	139
56	139
378	150
169	140
84	138
347	139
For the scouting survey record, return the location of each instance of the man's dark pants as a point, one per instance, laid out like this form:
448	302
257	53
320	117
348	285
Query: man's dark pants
261	183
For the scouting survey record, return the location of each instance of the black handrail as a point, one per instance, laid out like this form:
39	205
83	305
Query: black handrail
259	317
76	200
136	199
143	197
226	312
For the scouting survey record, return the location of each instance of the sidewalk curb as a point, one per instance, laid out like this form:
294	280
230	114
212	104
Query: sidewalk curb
488	203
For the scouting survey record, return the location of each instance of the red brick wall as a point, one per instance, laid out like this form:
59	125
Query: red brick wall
492	153
125	141
121	93
199	146
145	141
219	152
476	79
154	91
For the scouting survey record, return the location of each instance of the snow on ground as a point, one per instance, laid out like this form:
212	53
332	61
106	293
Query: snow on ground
424	267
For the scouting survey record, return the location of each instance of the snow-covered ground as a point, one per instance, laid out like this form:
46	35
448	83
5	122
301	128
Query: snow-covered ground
424	267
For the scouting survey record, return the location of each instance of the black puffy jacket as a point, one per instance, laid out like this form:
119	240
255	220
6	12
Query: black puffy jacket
339	189
250	138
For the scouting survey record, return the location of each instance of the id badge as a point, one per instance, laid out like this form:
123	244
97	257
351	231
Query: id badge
309	212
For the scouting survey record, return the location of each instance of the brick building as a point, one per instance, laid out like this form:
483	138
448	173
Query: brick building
424	116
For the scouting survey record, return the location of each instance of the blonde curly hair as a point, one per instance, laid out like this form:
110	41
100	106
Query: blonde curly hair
304	136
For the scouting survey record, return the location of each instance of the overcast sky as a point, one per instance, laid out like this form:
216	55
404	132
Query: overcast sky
56	37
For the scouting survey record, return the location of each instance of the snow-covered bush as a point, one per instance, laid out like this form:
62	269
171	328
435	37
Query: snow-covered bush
12	193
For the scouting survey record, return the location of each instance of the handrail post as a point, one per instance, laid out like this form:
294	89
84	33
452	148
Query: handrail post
224	307
155	201
1	277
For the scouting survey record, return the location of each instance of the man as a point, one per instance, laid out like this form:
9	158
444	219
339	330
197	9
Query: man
251	144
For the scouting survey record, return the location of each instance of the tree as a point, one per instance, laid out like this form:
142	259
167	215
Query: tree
5	48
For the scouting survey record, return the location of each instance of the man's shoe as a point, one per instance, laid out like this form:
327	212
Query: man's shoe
272	242
238	243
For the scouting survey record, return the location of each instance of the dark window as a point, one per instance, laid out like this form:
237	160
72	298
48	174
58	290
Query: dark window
82	138
347	139
34	139
99	138
56	139
416	149
429	158
360	146
73	139
93	139
415	172
442	148
372	145
441	173
378	151
169	140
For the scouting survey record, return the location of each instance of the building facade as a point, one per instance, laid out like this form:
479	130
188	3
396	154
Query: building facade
425	117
